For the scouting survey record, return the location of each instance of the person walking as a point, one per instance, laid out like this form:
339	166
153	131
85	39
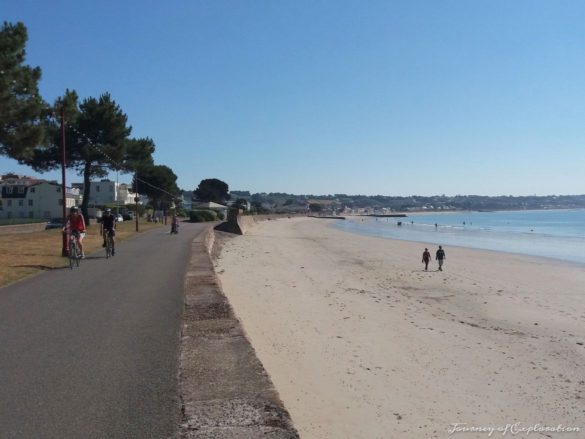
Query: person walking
426	258
440	257
175	224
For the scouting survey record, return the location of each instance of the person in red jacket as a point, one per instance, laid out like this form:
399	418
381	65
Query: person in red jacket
76	223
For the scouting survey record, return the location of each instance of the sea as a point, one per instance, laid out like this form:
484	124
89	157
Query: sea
556	234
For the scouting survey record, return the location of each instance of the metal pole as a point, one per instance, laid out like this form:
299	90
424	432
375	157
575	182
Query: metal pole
136	198
116	195
64	250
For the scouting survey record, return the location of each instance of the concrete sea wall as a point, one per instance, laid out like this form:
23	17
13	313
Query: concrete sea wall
225	390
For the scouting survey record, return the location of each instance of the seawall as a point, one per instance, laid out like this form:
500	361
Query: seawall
225	390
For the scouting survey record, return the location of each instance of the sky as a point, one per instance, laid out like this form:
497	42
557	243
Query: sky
400	98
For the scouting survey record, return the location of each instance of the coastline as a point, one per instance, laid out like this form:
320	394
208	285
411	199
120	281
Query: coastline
362	343
552	248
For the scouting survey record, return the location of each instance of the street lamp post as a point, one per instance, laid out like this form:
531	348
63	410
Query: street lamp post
136	199
64	250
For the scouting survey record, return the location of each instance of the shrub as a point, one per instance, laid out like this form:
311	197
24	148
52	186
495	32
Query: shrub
199	216
220	216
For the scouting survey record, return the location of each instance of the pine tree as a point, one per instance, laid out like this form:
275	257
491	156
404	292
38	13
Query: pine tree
21	107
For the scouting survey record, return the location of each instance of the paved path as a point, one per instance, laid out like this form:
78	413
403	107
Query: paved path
93	352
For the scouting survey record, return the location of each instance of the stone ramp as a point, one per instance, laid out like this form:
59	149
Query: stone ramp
225	391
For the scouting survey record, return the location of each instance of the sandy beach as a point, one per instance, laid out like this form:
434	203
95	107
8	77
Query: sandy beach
361	342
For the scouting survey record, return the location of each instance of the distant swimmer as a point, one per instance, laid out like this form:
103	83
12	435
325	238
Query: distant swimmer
440	257
436	225
426	258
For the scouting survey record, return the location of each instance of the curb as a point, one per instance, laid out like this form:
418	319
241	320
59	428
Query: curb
225	391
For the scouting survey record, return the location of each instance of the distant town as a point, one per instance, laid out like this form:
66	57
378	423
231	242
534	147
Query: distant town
380	204
33	198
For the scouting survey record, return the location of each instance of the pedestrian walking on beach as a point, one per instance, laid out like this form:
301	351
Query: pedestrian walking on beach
441	257
426	258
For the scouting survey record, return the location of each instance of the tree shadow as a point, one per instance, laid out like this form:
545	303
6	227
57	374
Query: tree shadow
39	267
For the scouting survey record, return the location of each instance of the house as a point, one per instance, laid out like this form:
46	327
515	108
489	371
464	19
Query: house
187	200
243	204
15	179
43	199
108	192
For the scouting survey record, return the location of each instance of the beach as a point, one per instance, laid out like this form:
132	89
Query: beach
361	342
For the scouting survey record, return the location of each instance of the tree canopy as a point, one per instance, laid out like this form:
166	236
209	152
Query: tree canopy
315	207
212	189
138	154
96	129
151	179
21	107
96	140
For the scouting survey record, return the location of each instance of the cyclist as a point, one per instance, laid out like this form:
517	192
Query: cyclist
108	225
76	223
175	224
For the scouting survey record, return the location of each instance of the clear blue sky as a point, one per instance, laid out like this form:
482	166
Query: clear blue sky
322	97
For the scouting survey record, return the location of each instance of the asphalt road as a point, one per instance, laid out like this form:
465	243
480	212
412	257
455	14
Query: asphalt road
93	352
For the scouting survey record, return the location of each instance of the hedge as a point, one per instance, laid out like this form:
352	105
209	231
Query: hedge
199	216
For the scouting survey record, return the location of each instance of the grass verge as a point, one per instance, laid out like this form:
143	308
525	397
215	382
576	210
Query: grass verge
25	254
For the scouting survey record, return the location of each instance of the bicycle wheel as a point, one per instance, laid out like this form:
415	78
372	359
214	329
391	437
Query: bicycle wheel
108	245
72	253
78	254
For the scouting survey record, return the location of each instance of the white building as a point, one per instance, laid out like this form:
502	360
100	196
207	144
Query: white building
39	200
187	200
12	179
210	205
108	192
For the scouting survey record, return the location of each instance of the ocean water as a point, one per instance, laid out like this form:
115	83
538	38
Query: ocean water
557	234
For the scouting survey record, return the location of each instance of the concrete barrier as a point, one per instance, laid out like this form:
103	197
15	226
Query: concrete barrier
225	390
239	224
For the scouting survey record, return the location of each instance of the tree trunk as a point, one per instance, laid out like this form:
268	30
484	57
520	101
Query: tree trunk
86	191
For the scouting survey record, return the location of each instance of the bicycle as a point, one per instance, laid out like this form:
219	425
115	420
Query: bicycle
74	251
109	244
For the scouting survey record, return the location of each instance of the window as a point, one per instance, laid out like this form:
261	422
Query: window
9	189
9	203
30	202
31	214
33	189
58	189
21	203
21	190
97	188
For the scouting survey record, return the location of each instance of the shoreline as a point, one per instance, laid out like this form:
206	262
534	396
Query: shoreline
361	342
550	259
542	259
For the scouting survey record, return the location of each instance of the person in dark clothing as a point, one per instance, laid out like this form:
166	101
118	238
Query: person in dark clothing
440	257
108	225
175	224
426	258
